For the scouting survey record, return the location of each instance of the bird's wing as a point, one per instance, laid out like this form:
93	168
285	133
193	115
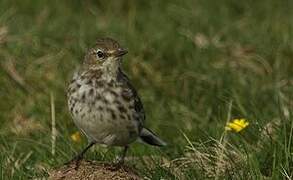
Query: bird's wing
130	92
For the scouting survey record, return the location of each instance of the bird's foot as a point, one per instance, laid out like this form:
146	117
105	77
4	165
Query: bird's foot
76	161
118	163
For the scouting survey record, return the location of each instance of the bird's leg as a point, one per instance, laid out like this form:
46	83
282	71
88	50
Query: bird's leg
122	157
79	156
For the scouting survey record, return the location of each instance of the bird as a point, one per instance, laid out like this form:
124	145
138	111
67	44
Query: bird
103	103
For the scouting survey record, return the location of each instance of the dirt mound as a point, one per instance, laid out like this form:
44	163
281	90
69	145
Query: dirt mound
93	170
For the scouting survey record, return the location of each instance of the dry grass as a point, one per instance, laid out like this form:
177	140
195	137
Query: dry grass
213	161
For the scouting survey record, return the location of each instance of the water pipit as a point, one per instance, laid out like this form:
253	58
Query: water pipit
103	103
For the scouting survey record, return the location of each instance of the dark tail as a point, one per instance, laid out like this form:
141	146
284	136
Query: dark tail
149	137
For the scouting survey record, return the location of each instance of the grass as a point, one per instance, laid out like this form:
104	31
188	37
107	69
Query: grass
196	64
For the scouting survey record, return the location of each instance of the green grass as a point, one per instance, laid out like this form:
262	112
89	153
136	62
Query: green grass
195	65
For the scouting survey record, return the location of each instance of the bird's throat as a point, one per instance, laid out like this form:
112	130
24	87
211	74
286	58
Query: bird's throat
110	71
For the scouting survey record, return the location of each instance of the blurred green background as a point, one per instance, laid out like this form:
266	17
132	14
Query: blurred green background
195	64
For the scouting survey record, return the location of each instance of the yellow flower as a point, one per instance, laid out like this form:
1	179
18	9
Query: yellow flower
76	137
237	125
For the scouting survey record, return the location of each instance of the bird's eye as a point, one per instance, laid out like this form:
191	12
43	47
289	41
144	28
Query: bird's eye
100	54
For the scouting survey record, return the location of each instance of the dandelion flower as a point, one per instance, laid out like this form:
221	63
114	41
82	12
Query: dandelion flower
237	125
76	137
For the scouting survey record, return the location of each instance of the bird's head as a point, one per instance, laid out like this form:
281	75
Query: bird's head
106	55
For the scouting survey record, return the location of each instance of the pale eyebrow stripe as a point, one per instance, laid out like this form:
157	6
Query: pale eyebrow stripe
111	52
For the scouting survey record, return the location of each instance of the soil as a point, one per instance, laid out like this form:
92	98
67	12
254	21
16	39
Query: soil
93	170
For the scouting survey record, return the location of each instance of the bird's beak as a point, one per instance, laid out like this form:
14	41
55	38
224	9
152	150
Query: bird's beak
120	52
